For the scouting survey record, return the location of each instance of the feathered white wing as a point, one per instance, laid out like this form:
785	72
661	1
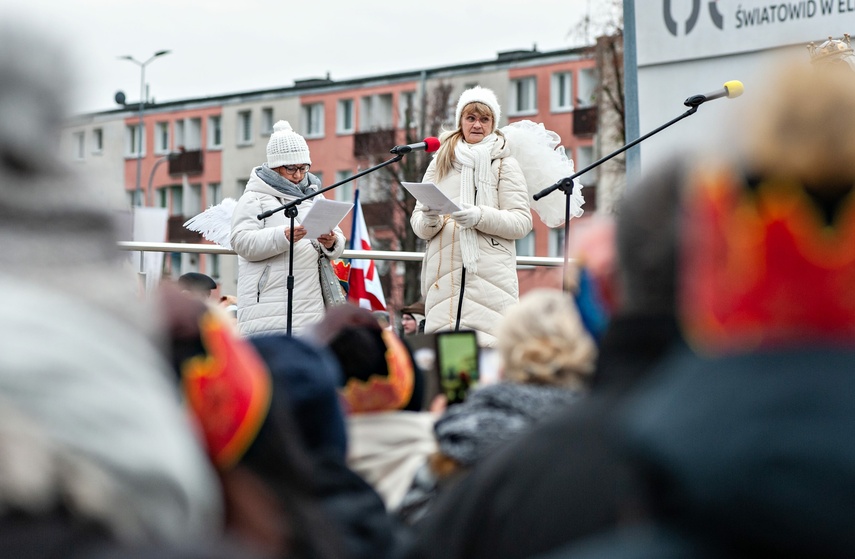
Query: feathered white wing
215	223
544	162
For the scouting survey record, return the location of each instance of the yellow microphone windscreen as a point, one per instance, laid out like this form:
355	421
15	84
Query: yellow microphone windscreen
734	88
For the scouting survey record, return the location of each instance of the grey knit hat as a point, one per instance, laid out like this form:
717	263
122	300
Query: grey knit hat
286	147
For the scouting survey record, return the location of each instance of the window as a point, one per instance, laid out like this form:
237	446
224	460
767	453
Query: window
584	157
215	132
134	144
244	128
213	265
193	134
193	200
161	137
407	110
79	145
344	117
180	140
561	98
525	246
171	198
267	121
587	87
344	193
214	194
375	112
97	140
556	242
523	96
313	120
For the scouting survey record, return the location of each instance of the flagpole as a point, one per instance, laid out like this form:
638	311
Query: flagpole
355	205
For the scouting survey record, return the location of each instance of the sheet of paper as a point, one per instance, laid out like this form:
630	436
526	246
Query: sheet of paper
431	196
323	216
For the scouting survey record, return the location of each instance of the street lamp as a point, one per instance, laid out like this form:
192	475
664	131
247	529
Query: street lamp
140	138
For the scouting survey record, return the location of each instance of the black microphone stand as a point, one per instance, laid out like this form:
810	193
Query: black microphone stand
290	209
566	184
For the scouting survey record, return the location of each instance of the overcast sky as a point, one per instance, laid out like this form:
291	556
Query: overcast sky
225	46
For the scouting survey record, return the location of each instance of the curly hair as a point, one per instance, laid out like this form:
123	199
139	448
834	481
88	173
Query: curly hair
542	341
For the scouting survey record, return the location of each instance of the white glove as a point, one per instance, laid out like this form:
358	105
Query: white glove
431	217
468	217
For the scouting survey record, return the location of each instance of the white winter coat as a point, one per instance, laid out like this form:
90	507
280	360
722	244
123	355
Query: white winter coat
262	250
496	286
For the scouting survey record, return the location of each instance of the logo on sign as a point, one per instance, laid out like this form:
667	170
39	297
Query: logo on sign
671	23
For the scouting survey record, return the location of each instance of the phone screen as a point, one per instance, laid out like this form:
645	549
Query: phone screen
457	364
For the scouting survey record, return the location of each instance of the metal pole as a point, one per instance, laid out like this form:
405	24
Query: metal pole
140	136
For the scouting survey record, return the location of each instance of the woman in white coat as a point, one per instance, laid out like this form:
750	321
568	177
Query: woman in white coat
469	275
263	245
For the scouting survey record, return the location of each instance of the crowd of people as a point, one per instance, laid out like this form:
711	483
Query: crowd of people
712	418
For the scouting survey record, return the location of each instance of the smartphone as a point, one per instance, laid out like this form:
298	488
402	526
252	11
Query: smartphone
457	364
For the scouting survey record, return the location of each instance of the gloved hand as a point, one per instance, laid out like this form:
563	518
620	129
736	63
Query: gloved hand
468	217
431	217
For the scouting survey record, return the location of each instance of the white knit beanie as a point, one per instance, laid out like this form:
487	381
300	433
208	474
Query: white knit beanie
479	94
286	147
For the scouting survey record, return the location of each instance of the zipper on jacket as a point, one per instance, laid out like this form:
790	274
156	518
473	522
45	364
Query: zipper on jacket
262	281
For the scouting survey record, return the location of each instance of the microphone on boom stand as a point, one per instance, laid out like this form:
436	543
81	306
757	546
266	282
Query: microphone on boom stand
731	89
290	208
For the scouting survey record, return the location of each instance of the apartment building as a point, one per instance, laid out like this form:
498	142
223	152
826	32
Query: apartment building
193	153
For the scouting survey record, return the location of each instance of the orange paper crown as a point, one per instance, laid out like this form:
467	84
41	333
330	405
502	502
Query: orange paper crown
761	267
229	390
383	393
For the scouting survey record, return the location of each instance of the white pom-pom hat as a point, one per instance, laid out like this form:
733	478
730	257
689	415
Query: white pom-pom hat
286	147
479	94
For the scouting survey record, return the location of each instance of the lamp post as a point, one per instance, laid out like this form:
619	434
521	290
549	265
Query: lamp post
140	138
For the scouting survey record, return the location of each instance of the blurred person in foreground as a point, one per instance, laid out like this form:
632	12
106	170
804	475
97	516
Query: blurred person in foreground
382	393
744	439
469	275
565	479
263	245
547	358
97	454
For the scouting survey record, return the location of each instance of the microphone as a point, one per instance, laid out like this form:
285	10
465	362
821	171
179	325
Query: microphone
731	89
428	144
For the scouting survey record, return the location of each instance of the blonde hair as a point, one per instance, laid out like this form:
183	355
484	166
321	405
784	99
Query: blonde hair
448	140
542	341
802	128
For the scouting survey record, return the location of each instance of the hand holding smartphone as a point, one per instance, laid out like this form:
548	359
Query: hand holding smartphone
457	356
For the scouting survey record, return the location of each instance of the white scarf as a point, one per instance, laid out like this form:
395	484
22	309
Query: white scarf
475	175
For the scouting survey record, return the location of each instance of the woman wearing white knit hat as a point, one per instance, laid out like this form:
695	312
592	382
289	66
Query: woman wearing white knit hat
263	245
469	272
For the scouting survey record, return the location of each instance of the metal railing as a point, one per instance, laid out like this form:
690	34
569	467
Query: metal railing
352	254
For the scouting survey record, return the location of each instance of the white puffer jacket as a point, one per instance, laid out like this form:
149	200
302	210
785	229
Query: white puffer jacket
262	250
496	286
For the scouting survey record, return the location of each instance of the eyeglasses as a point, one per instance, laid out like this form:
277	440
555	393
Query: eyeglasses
291	169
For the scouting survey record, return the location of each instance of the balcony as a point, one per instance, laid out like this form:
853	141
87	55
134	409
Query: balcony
585	121
186	163
177	233
375	142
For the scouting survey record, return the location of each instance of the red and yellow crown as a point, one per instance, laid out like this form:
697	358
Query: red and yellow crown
229	390
383	393
761	267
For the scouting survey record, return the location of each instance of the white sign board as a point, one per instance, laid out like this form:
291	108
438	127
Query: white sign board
686	47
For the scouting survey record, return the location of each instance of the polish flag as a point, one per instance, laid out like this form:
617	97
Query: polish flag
365	288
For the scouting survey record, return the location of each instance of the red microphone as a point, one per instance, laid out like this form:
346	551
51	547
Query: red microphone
428	144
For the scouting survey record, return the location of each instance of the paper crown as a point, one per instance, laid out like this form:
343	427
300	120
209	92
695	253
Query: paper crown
383	393
229	390
761	267
833	50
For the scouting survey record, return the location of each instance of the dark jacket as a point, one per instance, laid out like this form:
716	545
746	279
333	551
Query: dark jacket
564	480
